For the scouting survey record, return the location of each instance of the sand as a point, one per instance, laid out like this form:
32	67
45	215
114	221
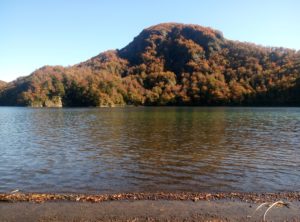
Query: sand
145	210
149	207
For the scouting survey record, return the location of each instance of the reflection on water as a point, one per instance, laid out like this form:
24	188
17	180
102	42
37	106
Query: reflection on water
150	149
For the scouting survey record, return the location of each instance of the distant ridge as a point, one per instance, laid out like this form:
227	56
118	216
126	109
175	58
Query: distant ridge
167	64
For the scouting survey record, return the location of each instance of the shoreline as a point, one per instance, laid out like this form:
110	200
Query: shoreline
175	196
150	207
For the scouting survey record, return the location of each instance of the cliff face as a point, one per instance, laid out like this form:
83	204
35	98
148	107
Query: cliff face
168	64
55	102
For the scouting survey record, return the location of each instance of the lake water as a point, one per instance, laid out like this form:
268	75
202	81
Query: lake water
149	149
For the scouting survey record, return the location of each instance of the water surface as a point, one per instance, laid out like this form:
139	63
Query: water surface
150	149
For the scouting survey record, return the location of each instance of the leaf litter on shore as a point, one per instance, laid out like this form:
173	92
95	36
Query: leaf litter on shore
95	198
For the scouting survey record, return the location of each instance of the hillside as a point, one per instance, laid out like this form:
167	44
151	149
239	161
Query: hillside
168	64
2	84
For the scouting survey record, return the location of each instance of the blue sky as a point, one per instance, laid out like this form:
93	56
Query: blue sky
34	33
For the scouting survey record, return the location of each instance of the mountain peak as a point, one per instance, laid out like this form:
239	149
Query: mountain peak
168	27
160	40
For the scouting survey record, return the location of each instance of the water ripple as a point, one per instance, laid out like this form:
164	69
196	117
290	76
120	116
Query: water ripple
150	149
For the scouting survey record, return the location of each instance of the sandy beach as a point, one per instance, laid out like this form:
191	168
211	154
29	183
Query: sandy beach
146	210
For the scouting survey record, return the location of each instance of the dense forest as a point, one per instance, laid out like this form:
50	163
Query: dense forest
167	64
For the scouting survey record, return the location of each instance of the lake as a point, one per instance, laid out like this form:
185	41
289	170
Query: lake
137	149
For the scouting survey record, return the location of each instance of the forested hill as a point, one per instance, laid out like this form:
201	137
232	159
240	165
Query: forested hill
167	64
2	85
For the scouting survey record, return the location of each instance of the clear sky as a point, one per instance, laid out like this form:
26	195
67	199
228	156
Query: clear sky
34	33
